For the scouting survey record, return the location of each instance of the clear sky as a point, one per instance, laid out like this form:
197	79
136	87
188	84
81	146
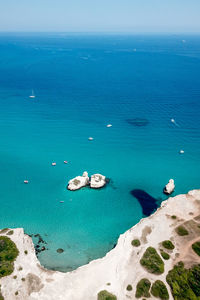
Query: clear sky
100	15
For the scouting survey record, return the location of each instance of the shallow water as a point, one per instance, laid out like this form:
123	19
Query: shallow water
82	83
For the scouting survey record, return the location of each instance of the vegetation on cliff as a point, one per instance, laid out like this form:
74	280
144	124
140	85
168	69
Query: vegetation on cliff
152	261
8	253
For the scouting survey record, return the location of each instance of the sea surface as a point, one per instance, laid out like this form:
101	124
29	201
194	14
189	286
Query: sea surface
83	82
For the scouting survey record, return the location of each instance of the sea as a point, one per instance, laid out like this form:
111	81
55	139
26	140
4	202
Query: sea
146	86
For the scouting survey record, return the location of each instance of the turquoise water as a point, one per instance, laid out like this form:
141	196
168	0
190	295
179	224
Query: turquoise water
82	83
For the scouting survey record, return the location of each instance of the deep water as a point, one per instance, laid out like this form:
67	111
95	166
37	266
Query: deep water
82	83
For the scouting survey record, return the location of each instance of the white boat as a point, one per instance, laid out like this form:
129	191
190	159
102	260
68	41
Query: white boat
26	181
33	95
90	138
53	164
109	125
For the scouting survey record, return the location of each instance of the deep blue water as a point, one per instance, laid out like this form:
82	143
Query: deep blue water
82	83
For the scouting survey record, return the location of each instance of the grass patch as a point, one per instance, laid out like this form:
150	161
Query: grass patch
181	231
159	290
196	248
164	255
184	283
105	295
142	288
129	287
10	232
8	253
168	245
135	243
152	261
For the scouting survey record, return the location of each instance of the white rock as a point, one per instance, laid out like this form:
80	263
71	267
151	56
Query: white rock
169	188
97	181
78	182
120	267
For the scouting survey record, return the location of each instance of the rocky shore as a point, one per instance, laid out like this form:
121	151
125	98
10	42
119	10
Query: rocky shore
168	236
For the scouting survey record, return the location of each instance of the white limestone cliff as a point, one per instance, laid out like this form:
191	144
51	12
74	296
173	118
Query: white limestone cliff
120	267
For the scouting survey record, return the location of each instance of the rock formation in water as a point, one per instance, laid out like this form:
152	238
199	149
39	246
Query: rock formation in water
157	258
97	181
78	182
169	188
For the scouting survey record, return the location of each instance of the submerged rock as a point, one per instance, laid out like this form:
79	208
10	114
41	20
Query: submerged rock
138	122
97	181
60	250
78	182
169	188
148	203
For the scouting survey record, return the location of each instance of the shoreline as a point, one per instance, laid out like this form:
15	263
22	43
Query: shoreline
119	268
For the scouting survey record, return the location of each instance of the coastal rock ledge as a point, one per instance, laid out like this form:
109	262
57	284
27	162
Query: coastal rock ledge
142	258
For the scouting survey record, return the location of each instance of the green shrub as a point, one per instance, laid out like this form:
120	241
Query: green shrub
142	288
26	252
196	248
105	295
15	277
23	279
8	253
173	217
16	293
4	230
1	296
10	232
159	290
164	255
135	243
129	287
184	283
168	245
152	261
182	231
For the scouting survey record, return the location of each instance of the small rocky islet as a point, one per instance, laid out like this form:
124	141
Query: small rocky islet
96	181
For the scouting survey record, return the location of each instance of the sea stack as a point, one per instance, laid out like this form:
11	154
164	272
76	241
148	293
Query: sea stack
97	181
78	182
169	188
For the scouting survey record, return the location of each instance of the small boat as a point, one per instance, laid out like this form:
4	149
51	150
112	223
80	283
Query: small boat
26	181
90	138
65	162
61	201
109	125
32	95
53	164
181	151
